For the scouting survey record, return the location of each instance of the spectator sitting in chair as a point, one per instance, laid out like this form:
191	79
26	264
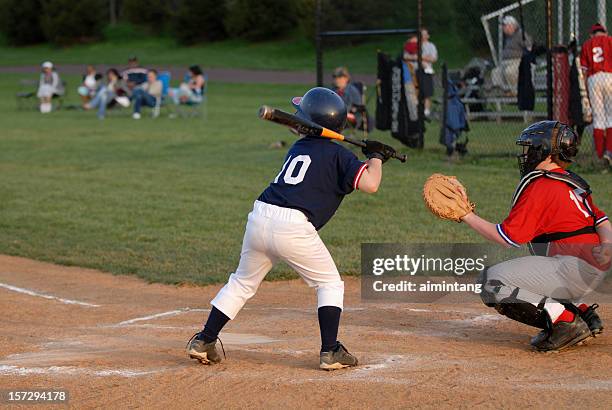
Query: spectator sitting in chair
89	87
107	93
349	94
49	86
147	94
134	75
190	91
506	74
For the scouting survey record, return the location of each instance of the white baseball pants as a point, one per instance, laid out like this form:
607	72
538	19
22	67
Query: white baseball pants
541	279
274	234
558	277
600	95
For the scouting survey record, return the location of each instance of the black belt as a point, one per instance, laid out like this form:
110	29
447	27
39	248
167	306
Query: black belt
555	236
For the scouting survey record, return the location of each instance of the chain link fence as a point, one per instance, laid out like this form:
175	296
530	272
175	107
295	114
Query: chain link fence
509	64
505	84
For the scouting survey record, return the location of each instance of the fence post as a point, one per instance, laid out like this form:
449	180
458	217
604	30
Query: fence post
318	45
560	22
601	12
113	12
443	121
421	107
549	71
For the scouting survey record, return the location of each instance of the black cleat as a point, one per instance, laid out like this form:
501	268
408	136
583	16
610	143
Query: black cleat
561	336
205	353
592	319
540	337
337	359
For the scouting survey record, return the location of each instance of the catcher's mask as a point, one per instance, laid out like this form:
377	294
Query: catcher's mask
545	138
322	106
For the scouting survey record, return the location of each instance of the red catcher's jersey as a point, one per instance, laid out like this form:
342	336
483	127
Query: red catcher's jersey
596	55
547	206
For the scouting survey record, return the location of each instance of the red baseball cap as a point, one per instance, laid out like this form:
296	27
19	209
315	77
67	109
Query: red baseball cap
597	27
411	47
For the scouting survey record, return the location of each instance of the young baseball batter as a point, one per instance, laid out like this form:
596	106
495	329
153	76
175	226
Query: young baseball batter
570	238
596	61
314	178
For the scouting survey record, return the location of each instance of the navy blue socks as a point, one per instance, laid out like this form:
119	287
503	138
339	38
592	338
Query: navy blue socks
214	324
329	321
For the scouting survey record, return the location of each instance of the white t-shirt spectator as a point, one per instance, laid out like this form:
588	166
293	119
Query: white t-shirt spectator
429	50
90	81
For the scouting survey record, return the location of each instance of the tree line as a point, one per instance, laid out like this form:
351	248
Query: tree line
67	22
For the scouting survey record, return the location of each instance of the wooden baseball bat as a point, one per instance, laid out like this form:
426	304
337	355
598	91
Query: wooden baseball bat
306	127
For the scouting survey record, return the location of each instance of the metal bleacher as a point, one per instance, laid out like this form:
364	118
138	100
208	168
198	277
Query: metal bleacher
499	113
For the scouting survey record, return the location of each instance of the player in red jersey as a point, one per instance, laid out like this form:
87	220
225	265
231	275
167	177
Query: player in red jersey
569	237
596	61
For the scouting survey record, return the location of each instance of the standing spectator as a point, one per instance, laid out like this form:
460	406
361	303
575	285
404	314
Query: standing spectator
89	87
190	91
425	76
134	75
49	86
106	93
596	62
350	95
410	51
506	74
410	79
147	94
410	90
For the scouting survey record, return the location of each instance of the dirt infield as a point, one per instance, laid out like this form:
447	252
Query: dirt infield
116	341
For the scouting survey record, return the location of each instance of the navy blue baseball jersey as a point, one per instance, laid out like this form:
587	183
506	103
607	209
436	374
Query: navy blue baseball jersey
315	177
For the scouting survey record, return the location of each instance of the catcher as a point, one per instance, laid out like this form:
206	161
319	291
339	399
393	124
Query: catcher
569	237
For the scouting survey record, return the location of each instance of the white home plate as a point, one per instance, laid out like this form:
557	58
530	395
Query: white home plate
67	352
245	339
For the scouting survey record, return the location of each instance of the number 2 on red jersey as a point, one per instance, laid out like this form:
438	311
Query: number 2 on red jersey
598	55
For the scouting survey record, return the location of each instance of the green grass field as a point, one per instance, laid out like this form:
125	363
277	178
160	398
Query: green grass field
167	199
292	53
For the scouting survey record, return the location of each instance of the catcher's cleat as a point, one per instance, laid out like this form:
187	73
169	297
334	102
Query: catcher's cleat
338	358
561	336
592	319
206	353
540	337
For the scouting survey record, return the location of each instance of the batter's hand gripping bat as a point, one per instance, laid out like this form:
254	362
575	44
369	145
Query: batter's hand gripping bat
306	127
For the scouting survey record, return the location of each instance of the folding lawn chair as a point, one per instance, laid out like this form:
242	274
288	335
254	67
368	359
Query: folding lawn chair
196	108
26	98
164	77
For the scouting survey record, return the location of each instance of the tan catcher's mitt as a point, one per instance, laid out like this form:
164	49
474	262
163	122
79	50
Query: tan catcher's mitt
446	197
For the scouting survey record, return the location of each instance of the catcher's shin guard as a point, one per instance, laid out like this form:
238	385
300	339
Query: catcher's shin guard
488	298
523	312
526	308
